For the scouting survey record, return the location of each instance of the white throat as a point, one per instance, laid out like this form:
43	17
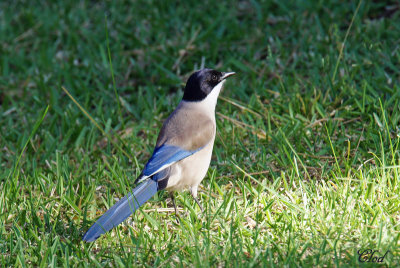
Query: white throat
211	100
208	104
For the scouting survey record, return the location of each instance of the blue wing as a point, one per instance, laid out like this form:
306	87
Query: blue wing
164	156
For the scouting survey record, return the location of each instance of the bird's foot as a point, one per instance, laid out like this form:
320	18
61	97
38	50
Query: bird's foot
176	210
198	203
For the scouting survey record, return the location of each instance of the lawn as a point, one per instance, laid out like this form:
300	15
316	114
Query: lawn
306	164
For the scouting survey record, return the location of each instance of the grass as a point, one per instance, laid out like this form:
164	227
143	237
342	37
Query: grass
305	170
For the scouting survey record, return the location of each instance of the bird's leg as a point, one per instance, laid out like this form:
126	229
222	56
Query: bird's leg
173	202
198	203
193	191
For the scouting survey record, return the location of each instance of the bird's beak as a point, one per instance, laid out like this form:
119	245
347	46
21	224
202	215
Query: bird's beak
226	75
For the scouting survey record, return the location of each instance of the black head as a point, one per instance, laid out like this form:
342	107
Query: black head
202	82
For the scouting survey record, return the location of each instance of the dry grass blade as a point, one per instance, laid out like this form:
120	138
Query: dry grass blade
240	106
95	123
260	133
344	42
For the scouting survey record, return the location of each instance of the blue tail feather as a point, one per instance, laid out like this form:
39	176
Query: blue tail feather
121	210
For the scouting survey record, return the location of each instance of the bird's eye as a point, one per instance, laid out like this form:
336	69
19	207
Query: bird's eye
214	77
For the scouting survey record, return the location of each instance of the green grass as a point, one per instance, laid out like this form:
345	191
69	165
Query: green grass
305	170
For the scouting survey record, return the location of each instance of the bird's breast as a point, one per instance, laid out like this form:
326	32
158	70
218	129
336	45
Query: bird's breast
190	171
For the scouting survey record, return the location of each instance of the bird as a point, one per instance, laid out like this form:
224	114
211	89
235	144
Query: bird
182	153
